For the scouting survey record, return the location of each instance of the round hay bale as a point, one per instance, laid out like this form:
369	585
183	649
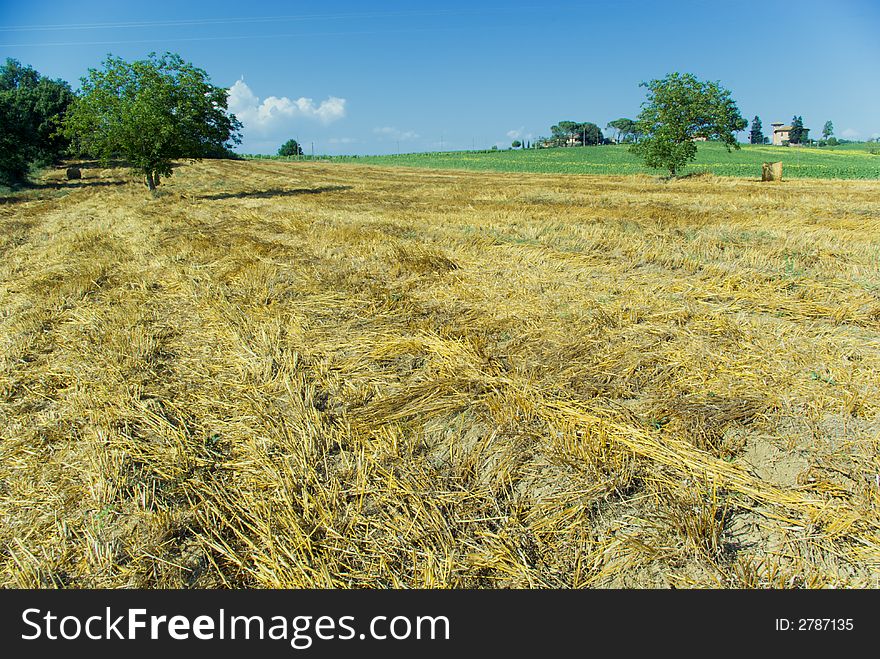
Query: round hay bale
771	171
73	173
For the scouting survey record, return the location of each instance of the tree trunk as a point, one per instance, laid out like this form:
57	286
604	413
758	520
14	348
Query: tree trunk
150	181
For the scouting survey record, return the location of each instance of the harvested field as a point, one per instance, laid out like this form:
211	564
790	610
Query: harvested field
328	375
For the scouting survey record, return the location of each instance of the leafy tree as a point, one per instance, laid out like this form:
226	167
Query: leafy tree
14	160
805	132
151	112
563	132
678	109
796	135
31	107
290	148
516	144
828	129
569	133
625	128
221	152
590	134
635	134
756	136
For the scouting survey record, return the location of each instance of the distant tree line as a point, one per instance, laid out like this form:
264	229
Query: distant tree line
290	148
586	133
572	133
797	135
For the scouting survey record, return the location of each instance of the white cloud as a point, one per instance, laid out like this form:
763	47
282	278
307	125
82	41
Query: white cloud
275	112
849	133
516	133
341	140
395	133
241	97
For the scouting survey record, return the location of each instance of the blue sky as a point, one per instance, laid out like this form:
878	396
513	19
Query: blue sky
356	77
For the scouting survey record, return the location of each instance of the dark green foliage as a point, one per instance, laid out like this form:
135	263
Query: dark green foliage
31	107
563	133
516	144
828	129
756	136
14	160
290	148
220	152
573	133
797	134
680	108
151	112
626	129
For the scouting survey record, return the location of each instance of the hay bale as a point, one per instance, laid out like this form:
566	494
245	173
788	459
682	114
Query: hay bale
771	171
73	173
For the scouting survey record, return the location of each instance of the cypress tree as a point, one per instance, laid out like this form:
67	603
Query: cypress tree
797	130
756	136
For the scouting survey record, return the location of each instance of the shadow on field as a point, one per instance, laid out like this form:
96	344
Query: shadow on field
698	174
10	199
97	164
43	191
275	192
76	183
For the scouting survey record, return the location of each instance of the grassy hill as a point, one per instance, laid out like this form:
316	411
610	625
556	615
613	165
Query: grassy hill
851	161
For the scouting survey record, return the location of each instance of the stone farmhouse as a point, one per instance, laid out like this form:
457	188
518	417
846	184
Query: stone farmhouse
780	133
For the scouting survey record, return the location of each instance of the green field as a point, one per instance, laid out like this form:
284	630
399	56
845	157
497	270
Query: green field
851	161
